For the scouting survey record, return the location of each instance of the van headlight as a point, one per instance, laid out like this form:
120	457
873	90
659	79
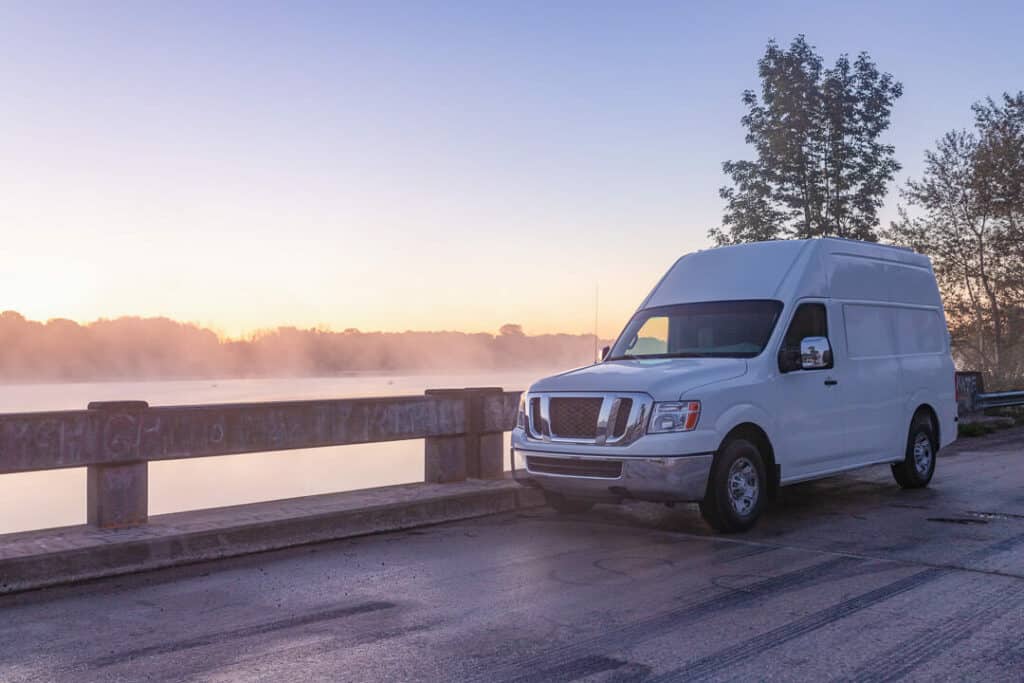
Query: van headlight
674	416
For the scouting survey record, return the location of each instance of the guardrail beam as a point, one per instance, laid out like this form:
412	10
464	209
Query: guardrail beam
972	397
116	440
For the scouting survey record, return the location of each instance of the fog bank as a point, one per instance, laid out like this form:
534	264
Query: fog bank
160	348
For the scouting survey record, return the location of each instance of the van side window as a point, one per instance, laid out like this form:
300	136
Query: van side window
810	320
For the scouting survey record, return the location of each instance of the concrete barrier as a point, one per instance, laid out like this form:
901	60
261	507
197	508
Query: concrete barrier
115	441
968	386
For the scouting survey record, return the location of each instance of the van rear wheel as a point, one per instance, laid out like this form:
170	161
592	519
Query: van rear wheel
566	506
737	487
918	464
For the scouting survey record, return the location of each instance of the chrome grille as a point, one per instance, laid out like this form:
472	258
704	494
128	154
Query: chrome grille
622	417
601	419
575	418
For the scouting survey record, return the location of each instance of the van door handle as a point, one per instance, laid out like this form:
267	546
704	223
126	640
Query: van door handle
831	382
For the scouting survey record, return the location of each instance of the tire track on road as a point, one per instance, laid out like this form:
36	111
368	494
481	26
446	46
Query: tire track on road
752	647
219	637
630	634
757	645
902	659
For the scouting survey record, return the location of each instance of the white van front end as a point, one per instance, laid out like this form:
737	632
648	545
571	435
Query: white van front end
613	463
644	436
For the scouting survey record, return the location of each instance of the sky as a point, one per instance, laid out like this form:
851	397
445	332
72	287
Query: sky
412	165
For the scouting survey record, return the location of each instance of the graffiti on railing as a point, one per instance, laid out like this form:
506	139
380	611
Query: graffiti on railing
968	386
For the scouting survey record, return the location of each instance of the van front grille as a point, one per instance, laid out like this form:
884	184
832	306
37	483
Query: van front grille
575	418
622	419
604	469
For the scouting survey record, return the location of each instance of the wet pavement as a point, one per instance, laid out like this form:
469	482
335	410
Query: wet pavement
847	578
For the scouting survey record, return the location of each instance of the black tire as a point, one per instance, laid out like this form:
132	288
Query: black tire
566	506
918	464
739	461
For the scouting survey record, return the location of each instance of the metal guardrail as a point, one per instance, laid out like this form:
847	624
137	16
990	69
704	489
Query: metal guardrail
972	398
115	441
999	399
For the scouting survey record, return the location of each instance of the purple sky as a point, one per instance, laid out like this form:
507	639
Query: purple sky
411	165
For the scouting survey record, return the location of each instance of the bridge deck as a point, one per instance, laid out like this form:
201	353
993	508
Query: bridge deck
848	577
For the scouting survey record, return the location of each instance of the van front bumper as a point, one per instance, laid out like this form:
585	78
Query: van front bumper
680	478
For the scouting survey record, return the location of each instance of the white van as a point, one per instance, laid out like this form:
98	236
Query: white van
746	368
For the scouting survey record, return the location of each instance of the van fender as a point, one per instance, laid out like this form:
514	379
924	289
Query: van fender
917	398
743	413
925	397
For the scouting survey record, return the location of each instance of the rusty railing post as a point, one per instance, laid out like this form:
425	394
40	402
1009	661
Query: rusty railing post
117	495
475	454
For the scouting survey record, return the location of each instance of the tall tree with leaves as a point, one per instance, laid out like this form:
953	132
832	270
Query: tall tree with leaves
967	213
821	168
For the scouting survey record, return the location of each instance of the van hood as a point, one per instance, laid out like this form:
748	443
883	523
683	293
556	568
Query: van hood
665	379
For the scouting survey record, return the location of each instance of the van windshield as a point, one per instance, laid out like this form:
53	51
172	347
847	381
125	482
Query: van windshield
717	329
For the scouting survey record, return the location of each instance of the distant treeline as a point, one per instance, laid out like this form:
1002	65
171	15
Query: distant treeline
152	348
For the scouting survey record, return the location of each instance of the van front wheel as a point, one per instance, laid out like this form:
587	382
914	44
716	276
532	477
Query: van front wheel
737	487
918	464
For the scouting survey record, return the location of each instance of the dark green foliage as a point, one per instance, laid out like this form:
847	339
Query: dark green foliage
821	168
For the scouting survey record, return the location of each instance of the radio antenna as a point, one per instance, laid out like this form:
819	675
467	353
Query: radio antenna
596	292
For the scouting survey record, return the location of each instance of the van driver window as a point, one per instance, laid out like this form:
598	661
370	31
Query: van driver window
810	320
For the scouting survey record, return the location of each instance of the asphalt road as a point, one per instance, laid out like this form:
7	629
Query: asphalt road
849	578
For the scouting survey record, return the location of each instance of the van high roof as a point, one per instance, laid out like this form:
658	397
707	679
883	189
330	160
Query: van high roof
787	270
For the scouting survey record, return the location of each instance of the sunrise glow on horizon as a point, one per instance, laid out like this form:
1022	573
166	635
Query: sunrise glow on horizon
409	167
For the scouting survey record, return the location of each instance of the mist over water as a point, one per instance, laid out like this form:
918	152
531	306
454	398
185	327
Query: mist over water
35	500
133	348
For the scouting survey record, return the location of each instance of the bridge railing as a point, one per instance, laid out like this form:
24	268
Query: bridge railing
972	397
115	441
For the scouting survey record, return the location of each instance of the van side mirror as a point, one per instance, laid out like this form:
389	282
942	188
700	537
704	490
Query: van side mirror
815	353
605	351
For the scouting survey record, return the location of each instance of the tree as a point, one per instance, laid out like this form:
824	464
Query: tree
821	168
967	213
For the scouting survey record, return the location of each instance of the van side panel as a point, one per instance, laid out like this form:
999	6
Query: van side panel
902	351
875	279
896	342
871	382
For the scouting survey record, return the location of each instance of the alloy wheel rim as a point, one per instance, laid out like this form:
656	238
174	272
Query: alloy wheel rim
744	488
923	455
